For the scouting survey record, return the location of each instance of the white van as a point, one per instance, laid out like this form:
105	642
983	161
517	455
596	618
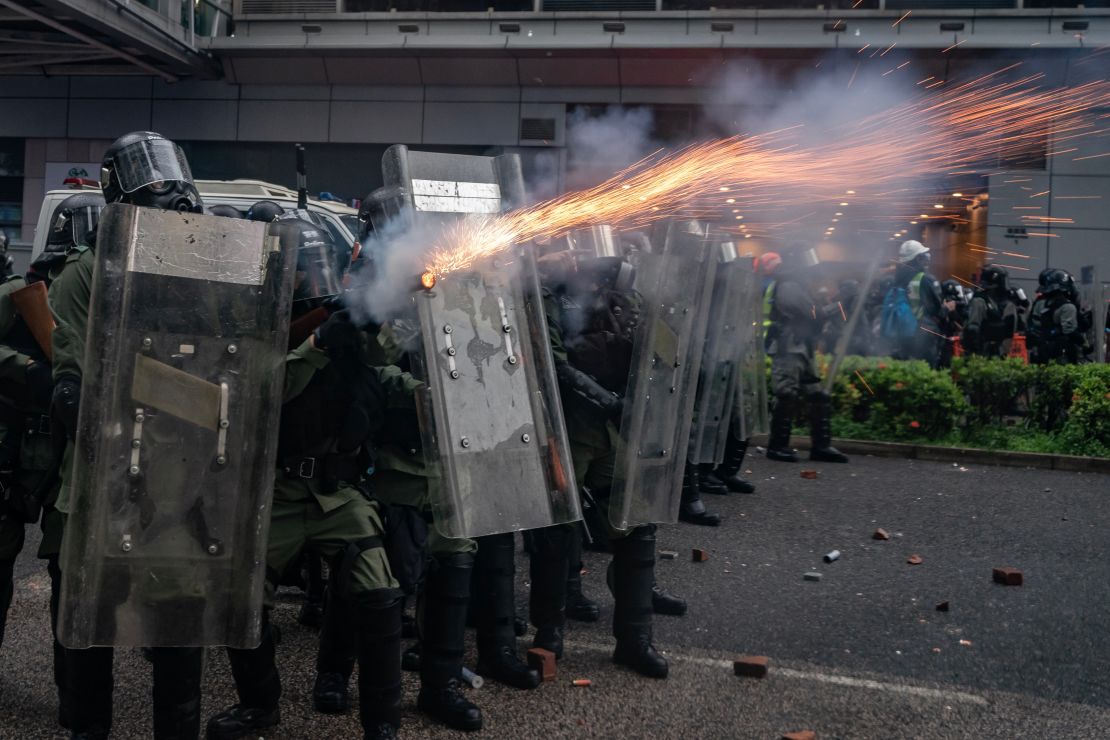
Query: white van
341	220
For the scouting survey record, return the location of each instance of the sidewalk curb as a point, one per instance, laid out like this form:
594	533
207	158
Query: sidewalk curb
1006	458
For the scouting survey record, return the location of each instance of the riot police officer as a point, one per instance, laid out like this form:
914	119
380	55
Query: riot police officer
1054	332
992	315
792	324
335	403
591	316
145	169
956	308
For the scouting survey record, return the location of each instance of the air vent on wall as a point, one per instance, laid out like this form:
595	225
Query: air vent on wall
619	27
837	27
408	28
951	26
537	129
1076	25
720	27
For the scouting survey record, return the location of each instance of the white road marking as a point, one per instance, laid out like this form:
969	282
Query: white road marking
922	692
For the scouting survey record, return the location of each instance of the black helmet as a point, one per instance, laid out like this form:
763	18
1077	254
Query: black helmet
147	169
3	241
264	211
223	209
6	261
1054	280
73	220
994	277
951	290
320	264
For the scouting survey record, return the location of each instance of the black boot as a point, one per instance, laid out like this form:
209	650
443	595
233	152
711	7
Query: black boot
633	577
708	482
410	659
548	598
60	680
443	615
89	671
311	614
378	620
729	469
579	608
259	687
496	612
335	656
176	692
820	426
663	602
692	510
782	420
7	590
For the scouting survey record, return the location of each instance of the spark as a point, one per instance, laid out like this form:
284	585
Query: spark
864	381
864	47
936	132
904	17
965	282
932	332
1013	267
1090	156
842	314
888	49
953	46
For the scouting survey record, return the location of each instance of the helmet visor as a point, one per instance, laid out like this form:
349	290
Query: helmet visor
318	269
155	162
72	226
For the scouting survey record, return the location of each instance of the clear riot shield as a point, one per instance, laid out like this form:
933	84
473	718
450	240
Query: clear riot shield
750	414
721	356
496	429
177	435
675	285
1094	295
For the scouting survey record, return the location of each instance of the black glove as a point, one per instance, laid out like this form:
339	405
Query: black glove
40	381
338	336
65	402
584	386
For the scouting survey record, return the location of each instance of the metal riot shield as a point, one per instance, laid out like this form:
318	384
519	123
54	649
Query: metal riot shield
749	409
493	429
497	425
177	434
721	356
675	285
1094	296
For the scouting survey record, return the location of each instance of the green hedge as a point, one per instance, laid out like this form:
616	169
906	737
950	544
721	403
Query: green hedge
994	404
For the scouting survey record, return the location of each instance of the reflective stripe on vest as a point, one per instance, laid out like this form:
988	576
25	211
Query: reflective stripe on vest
768	306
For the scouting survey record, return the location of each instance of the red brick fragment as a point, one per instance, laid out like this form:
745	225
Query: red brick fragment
915	560
942	606
881	534
809	474
750	666
1008	576
700	556
543	661
800	735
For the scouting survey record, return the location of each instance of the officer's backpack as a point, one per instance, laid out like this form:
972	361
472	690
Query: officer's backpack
897	320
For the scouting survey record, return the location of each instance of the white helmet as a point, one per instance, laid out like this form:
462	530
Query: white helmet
911	250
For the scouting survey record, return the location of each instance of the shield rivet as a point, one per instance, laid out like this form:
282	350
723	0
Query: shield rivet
136	443
465	442
213	549
451	351
147	342
221	459
133	470
506	328
232	349
662	453
525	438
139	418
126	544
512	359
447	329
224	423
454	375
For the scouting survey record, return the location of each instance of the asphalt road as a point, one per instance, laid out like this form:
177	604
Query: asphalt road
862	653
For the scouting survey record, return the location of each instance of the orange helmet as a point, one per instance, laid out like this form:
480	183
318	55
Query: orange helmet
769	262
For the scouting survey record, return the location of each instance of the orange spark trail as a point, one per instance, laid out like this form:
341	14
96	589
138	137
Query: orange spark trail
935	133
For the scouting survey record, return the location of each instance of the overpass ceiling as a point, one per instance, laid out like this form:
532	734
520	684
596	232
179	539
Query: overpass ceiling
83	37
